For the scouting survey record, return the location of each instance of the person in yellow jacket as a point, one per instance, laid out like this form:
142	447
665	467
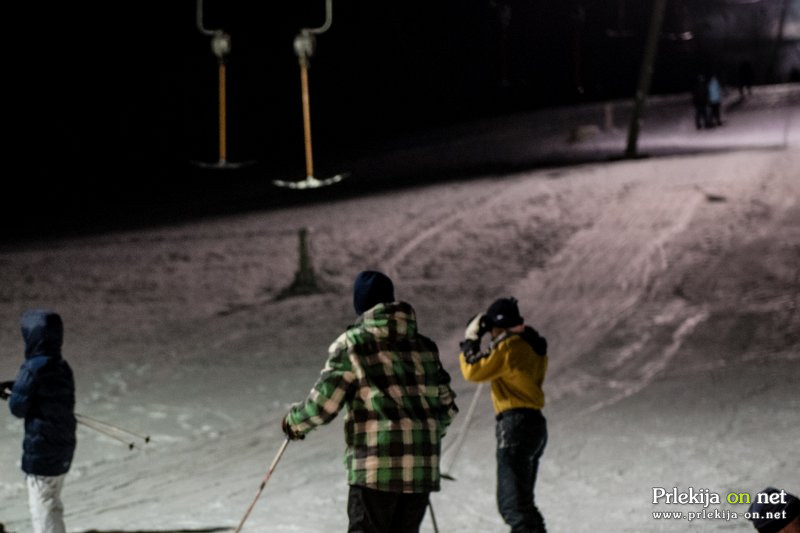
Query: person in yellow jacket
515	363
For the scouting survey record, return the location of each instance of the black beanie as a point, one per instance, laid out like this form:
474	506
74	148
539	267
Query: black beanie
370	289
773	525
504	313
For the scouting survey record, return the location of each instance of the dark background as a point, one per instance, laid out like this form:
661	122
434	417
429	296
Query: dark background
111	102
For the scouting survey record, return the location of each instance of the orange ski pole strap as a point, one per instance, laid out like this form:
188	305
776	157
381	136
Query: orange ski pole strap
263	484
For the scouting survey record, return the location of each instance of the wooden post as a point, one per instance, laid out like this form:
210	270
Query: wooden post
305	279
608	114
305	273
645	75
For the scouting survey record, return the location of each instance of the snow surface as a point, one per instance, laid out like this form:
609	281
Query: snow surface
668	289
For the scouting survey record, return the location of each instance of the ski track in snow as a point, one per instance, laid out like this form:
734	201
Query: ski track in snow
477	210
652	368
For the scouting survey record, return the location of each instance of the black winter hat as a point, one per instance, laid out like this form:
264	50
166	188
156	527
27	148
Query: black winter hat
504	313
370	289
791	506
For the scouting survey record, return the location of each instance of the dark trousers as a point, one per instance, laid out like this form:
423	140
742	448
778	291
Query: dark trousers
375	511
700	116
521	439
714	118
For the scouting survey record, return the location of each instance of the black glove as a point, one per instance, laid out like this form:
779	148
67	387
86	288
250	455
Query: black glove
5	389
470	347
288	431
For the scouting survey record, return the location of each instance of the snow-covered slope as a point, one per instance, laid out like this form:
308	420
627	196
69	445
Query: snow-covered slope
668	290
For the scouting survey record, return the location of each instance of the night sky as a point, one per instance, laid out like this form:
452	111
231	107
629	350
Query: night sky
112	101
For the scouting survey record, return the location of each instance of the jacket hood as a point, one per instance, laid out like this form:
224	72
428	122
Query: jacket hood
537	342
43	332
389	319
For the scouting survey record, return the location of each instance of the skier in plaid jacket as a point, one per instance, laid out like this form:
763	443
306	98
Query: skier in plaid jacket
399	404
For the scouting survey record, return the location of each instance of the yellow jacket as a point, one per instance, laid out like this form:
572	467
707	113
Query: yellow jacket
515	370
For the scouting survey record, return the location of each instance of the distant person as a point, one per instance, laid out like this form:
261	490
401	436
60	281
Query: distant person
515	364
746	76
714	101
44	395
399	404
782	516
700	102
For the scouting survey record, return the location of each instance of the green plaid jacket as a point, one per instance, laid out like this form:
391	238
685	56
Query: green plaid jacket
398	397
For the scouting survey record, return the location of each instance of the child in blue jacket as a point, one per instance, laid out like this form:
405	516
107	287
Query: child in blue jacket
44	395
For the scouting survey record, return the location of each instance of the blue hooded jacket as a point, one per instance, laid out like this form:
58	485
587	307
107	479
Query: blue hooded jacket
44	395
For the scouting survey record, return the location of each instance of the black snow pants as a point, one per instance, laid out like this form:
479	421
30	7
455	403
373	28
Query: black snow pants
521	439
374	511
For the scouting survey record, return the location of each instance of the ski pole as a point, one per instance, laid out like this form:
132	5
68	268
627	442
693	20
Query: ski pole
433	517
456	447
263	484
88	423
112	427
110	430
